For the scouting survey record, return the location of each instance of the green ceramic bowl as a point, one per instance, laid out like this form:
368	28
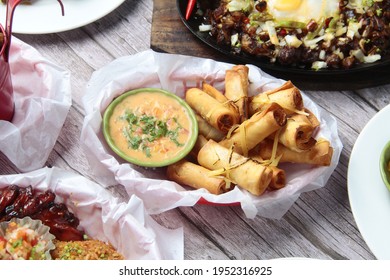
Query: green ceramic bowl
384	165
150	163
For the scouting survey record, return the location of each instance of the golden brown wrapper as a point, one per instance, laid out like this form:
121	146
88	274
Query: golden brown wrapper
245	172
320	154
208	131
297	134
236	88
219	115
244	72
278	180
256	129
212	91
288	96
195	176
200	142
312	118
215	93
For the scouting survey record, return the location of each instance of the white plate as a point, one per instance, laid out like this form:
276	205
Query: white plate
369	197
44	16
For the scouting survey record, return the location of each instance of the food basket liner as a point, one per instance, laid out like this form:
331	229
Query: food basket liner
176	73
42	96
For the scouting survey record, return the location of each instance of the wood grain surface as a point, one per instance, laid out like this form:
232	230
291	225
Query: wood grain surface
169	34
319	225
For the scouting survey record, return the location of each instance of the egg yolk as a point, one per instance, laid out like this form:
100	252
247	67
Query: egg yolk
287	5
302	10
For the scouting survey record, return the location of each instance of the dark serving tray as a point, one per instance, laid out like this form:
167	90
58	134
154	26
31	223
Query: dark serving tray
171	33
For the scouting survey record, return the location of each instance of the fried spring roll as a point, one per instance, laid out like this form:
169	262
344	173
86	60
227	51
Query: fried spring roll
246	173
212	91
236	88
312	118
195	176
288	96
220	116
320	154
200	142
256	129
208	131
297	134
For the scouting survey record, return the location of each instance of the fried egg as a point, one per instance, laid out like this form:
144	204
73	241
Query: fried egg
302	10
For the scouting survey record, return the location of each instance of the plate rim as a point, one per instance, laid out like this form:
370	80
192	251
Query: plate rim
351	190
111	6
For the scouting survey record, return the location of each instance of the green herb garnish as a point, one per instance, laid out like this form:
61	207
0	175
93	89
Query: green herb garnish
17	243
152	129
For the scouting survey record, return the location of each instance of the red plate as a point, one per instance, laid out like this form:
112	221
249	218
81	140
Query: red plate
203	201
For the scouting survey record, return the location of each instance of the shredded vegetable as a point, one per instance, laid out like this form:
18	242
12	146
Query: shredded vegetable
331	41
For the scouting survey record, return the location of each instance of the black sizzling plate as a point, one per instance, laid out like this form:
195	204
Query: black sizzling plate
193	25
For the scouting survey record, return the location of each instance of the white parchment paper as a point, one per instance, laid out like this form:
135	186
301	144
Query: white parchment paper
42	96
126	226
176	73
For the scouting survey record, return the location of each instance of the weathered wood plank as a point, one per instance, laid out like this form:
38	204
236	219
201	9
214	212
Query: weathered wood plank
319	225
6	166
197	246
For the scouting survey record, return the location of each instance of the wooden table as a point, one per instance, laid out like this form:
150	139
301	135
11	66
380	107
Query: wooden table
319	225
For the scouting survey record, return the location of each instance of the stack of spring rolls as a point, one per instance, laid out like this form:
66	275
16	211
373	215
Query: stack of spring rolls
243	139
